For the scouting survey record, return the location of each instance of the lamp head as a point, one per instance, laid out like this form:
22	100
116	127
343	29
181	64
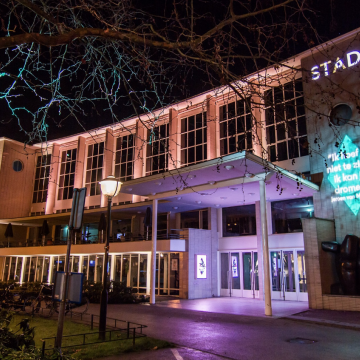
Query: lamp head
110	186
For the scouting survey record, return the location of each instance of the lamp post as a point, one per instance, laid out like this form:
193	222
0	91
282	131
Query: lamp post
110	187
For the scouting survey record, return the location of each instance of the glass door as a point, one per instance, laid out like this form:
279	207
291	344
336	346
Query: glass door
288	279
301	276
250	274
225	289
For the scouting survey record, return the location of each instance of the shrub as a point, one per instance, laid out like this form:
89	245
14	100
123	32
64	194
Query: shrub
118	292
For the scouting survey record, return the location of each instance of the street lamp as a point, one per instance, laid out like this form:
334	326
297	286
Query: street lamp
110	187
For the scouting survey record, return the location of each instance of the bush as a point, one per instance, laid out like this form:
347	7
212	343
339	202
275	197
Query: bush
20	345
118	292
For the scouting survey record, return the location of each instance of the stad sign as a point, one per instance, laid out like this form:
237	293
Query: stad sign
350	59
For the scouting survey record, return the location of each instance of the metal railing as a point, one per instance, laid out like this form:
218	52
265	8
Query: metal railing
128	330
60	242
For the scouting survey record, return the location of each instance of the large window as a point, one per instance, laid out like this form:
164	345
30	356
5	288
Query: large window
287	214
124	159
157	150
239	220
41	182
193	139
235	127
67	174
197	219
285	122
95	160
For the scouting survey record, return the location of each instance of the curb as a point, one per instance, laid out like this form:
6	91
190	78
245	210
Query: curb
323	322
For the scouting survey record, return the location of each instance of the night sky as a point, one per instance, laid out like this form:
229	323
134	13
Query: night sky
333	18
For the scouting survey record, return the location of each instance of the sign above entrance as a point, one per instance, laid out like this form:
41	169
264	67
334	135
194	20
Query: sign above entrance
350	59
344	175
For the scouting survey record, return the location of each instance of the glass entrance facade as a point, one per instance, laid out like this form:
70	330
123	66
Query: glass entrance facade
133	269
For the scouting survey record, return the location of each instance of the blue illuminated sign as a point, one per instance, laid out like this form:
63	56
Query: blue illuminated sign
344	174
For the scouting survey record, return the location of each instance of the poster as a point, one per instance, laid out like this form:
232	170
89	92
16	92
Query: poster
200	268
234	267
174	264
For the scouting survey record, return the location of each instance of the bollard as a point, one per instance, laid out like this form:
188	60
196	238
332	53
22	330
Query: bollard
43	350
92	322
128	329
134	337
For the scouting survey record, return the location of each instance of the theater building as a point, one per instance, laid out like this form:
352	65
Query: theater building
237	184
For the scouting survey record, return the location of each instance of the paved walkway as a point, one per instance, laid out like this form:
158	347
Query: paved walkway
236	306
239	330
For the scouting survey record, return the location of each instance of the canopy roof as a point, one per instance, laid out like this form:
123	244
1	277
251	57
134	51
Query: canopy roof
232	180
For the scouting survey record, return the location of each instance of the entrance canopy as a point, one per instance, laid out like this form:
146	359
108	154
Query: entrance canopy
232	180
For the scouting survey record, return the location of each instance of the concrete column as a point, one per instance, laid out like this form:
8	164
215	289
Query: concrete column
258	131
178	221
53	232
171	221
211	127
213	227
265	248
80	163
174	140
53	177
27	236
148	273
108	160
22	270
112	266
153	251
140	144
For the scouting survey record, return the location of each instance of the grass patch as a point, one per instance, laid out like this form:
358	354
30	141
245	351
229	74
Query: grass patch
45	328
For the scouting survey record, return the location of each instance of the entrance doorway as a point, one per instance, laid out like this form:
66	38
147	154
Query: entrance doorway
239	274
288	275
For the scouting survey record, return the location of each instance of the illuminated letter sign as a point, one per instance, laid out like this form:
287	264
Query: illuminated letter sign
344	175
200	266
352	59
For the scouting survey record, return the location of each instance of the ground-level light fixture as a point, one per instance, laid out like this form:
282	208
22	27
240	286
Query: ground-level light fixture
229	167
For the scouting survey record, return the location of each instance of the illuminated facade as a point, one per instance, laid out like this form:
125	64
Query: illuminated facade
205	161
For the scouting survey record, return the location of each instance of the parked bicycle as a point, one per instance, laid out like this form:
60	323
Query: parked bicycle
41	304
10	300
44	305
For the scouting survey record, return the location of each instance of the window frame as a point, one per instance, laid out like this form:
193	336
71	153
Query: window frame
285	121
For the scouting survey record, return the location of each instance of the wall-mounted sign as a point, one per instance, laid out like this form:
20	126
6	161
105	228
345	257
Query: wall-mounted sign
350	59
344	175
234	267
200	266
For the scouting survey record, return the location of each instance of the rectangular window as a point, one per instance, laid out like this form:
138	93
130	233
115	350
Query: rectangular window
235	127
6	268
287	214
286	132
18	269
94	167
157	150
193	139
67	174
124	157
41	183
239	221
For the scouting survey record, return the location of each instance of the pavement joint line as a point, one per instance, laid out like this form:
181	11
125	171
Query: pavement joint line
322	322
176	354
208	352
